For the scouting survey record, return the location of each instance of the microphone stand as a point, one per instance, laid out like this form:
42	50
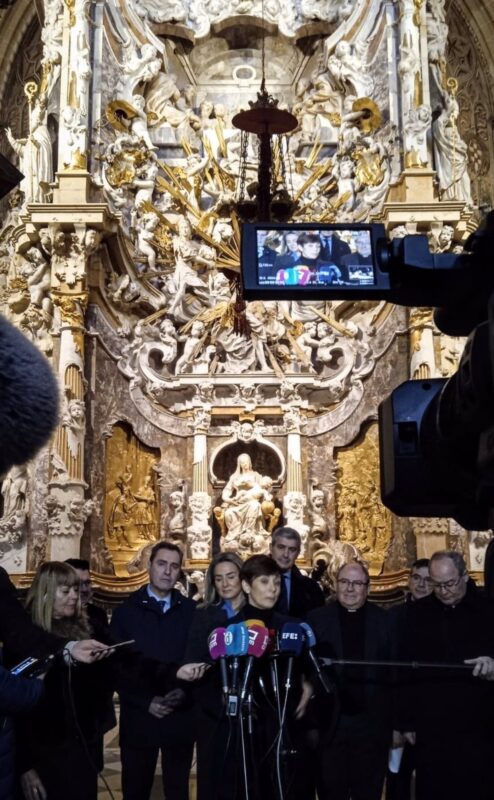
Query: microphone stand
273	667
356	662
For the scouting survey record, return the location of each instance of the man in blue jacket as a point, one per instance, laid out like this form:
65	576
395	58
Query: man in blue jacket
158	617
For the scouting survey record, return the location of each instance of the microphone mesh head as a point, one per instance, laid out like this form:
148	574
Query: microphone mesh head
291	639
216	643
28	398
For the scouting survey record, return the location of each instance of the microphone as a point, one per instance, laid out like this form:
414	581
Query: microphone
258	643
32	667
291	644
249	622
310	642
29	398
237	644
217	651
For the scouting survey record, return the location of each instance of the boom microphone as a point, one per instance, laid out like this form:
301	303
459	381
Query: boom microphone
258	643
217	651
310	642
237	644
28	398
291	644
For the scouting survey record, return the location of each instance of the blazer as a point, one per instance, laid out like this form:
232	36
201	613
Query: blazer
305	594
161	637
325	623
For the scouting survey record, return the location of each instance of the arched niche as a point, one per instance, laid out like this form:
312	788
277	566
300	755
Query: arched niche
265	457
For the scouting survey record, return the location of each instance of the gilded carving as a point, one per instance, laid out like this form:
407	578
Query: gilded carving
363	521
132	506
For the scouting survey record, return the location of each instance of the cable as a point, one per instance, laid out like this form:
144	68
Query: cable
278	746
100	776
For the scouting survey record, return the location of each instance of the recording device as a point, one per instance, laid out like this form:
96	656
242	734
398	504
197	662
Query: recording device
217	651
237	644
401	271
29	398
32	667
303	261
9	175
436	436
258	643
291	644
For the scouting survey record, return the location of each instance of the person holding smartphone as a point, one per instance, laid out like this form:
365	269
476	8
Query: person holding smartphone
59	741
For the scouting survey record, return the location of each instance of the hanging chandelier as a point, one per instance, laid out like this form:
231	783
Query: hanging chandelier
269	198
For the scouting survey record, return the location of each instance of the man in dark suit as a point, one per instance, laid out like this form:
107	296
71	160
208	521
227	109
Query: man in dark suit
332	247
356	733
158	617
299	594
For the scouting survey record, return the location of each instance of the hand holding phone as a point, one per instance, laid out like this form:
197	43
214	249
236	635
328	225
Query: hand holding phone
106	648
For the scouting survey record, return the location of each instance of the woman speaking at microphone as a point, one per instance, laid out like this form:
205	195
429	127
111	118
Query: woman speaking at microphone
258	589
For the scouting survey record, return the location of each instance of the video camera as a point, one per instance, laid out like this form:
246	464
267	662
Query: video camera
436	436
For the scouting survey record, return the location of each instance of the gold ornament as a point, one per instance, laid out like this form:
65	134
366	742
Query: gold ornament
371	119
30	90
368	167
119	113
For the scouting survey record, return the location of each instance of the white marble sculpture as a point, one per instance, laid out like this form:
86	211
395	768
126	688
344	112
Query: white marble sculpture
451	153
35	156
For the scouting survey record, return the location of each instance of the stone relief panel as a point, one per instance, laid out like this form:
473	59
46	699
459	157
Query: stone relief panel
132	511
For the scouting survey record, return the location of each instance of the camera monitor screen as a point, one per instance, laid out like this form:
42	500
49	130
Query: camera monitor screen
304	259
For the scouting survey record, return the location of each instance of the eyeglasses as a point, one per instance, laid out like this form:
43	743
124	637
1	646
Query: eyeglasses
446	585
346	584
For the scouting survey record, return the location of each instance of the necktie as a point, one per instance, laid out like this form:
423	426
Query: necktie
163	605
283	599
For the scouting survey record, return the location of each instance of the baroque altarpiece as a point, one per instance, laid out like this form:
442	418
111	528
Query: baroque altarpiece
118	248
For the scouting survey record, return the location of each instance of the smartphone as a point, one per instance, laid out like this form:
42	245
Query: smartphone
112	646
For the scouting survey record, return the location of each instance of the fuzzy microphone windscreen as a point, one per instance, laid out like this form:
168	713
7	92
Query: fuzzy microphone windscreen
29	398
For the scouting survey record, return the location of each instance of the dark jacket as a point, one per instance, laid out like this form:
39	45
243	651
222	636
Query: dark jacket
74	702
16	695
447	703
158	636
305	595
338	250
20	636
373	682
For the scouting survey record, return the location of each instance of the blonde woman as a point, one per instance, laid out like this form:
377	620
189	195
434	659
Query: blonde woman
60	740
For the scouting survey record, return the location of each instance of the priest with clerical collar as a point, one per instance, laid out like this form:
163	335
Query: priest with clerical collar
356	731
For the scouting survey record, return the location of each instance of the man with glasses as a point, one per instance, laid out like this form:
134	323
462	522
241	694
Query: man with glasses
449	711
356	729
